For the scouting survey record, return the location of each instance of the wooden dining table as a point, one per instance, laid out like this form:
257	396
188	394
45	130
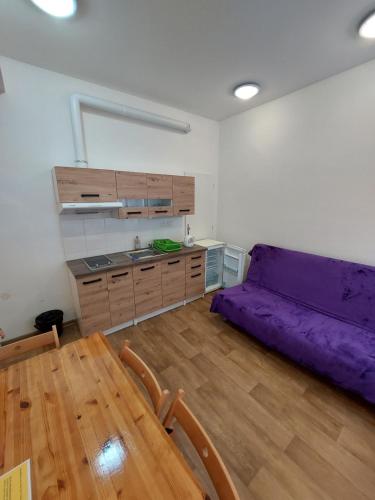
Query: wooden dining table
87	428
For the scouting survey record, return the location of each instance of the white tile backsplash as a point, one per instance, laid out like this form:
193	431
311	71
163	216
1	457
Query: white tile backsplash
96	234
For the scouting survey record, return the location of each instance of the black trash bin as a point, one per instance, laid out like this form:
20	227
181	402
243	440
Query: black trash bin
46	320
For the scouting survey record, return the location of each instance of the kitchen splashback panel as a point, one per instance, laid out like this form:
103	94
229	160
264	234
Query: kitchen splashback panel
95	234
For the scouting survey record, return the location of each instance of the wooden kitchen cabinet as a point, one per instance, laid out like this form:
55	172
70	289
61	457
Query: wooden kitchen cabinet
159	187
94	303
154	212
195	274
183	195
121	295
147	288
132	213
173	280
131	185
84	184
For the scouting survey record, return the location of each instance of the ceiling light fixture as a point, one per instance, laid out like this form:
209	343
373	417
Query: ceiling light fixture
246	91
367	27
57	8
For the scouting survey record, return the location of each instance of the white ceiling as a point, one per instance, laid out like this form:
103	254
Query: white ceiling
190	53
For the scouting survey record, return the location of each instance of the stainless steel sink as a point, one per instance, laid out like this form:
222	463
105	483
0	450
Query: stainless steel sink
145	253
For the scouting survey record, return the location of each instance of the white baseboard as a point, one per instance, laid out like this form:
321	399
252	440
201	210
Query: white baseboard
151	315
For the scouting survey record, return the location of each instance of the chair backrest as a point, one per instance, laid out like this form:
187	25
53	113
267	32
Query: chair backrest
29	344
131	359
204	447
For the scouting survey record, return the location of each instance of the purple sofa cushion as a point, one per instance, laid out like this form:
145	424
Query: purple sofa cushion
340	351
338	288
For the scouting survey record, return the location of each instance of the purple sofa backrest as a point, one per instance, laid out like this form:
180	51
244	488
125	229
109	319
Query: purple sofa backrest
341	289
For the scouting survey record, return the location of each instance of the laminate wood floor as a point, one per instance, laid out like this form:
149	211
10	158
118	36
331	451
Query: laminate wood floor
282	432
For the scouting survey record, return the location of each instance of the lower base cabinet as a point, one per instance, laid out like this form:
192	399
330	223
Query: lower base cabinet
121	295
94	304
108	299
195	274
173	280
147	288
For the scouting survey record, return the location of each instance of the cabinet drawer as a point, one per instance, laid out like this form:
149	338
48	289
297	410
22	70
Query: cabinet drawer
90	285
173	280
195	283
133	213
195	261
142	273
120	278
85	184
154	212
173	265
131	185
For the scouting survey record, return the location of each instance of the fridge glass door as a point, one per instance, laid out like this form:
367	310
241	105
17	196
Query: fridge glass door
214	268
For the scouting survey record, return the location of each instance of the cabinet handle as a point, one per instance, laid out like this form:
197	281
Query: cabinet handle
174	262
161	211
118	275
184	210
92	281
88	195
196	275
196	257
134	213
147	268
196	267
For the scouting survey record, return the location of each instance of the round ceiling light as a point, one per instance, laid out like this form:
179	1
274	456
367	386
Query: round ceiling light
57	8
246	91
367	27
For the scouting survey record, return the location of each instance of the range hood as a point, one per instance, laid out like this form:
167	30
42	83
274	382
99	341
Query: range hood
88	208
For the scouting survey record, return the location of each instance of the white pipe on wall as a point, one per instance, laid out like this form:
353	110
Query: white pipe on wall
2	87
77	100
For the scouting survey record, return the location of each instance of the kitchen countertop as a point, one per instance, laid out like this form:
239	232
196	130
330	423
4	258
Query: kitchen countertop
79	269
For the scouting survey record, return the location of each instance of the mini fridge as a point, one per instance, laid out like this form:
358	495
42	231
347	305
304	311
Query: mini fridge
224	264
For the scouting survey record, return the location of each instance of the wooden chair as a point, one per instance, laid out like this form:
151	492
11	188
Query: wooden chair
29	344
202	443
157	395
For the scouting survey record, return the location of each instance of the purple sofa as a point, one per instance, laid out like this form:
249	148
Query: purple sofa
318	311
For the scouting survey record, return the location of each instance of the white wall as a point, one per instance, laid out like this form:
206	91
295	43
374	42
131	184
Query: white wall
299	172
35	135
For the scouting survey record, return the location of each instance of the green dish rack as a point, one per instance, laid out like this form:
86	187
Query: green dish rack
166	245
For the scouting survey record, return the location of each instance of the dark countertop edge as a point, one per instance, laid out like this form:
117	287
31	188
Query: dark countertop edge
79	269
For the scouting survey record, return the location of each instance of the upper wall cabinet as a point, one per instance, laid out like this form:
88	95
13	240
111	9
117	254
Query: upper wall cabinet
131	185
85	184
132	189
183	195
159	187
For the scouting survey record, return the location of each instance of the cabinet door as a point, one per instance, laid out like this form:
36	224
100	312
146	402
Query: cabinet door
159	187
85	184
131	185
121	295
183	195
94	303
173	280
195	274
147	288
